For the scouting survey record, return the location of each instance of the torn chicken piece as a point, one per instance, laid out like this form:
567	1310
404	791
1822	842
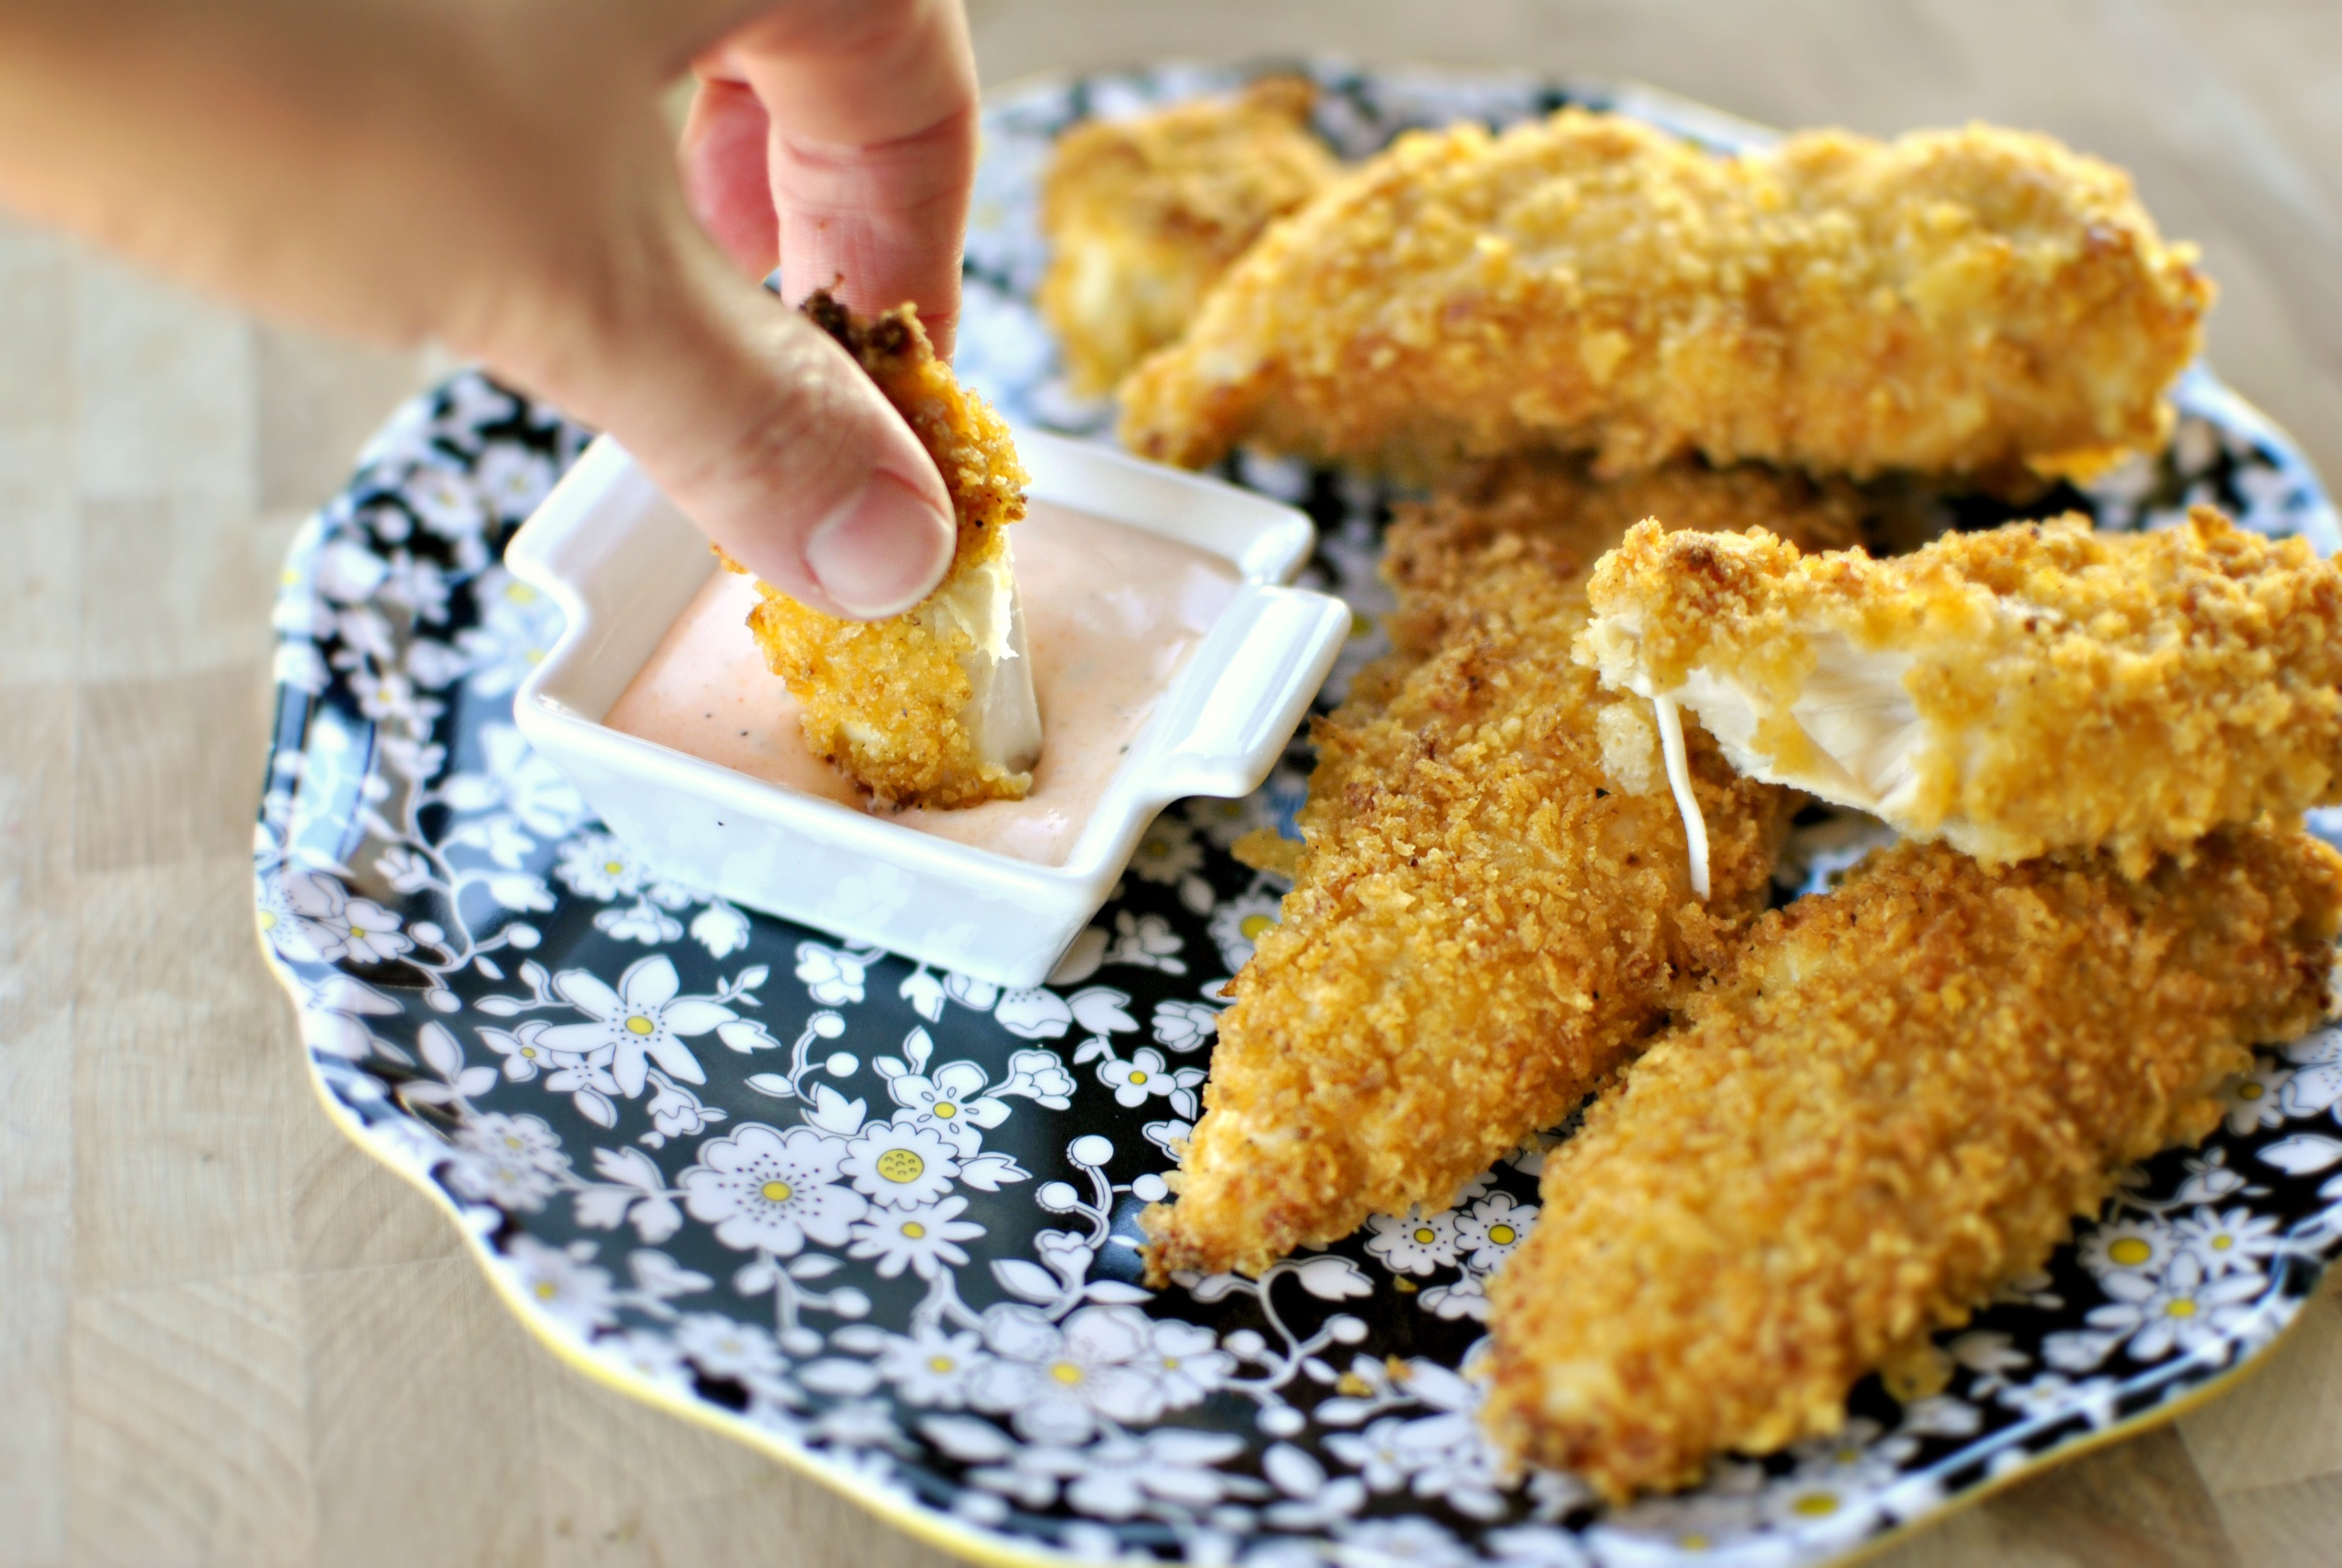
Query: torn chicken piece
933	707
2025	689
1143	215
1492	909
1895	1098
1978	302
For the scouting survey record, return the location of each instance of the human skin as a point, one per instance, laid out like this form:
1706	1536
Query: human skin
496	177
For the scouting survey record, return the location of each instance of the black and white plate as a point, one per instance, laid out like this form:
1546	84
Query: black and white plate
878	1219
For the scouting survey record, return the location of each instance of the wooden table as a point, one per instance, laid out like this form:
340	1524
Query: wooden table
226	1336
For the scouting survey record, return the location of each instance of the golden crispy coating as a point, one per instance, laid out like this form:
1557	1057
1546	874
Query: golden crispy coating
2034	687
1977	302
1143	215
1493	903
894	704
1892	1100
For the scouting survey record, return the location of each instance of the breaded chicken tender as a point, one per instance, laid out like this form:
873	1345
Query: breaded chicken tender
1895	1098
934	707
1143	215
1979	303
1493	906
2023	689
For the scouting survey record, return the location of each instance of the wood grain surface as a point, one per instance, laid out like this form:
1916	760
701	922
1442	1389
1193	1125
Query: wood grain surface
228	1338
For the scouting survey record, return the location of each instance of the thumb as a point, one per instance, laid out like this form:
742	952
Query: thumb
764	432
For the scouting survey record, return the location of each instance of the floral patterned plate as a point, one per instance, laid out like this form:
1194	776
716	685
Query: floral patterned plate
879	1219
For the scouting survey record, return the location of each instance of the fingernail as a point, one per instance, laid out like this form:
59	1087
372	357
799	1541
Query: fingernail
884	553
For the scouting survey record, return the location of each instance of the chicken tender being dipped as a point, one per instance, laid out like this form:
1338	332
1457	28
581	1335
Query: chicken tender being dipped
933	707
1143	215
1978	303
2029	688
1492	905
1892	1100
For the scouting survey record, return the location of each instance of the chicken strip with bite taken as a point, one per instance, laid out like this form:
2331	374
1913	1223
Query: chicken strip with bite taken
2013	691
934	706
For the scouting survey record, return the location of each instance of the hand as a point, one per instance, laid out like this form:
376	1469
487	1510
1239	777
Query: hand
494	174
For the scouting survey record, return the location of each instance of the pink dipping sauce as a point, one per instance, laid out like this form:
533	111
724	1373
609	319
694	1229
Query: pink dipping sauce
1111	613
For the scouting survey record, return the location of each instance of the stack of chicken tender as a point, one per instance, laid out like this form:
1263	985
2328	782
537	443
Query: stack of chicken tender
1658	399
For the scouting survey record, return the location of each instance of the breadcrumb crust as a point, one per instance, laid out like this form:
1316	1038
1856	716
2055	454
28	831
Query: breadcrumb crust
1482	923
885	700
1978	302
1895	1098
1143	215
2131	691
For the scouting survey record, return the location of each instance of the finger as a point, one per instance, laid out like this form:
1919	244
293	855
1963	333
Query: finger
872	154
722	159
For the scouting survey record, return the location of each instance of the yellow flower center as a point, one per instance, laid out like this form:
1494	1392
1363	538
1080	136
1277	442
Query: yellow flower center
940	1363
1170	1364
901	1165
1066	1372
520	594
613	866
913	1228
1502	1235
946	1109
1814	1504
2222	1244
529	1052
513	1143
1254	924
1693	1543
1137	1075
2251	1091
638	1025
2181	1308
2130	1252
547	1290
1351	1383
357	933
1425	1236
1157	848
267	920
777	1192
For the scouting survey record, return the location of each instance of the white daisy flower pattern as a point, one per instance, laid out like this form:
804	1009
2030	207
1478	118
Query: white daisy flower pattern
765	1189
2224	1241
931	1367
1237	923
1056	1382
901	1163
2187	1309
1414	1244
922	1238
726	1347
1147	1076
643	1020
1489	1231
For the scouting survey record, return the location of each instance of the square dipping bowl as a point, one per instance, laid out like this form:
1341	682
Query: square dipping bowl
624	565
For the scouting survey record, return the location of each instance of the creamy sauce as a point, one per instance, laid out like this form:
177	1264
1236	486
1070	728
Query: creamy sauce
1111	613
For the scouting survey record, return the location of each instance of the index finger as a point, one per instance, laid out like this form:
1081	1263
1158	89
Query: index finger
871	154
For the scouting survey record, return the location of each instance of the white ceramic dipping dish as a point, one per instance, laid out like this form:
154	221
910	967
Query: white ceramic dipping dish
622	564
